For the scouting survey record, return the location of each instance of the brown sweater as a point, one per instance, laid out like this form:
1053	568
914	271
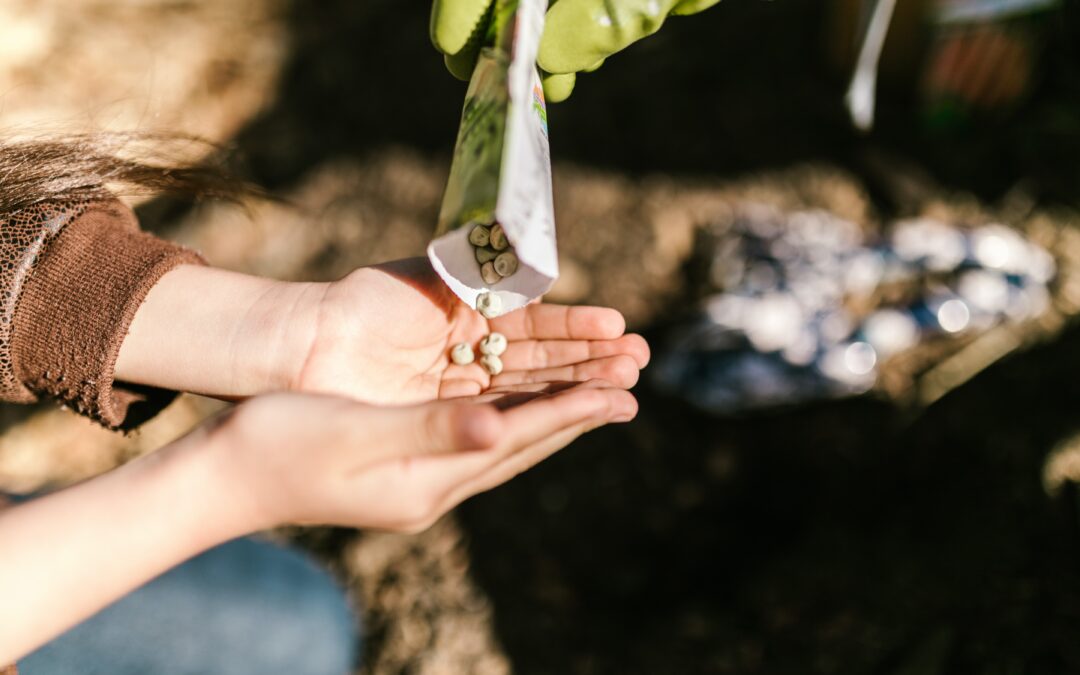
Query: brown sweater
71	278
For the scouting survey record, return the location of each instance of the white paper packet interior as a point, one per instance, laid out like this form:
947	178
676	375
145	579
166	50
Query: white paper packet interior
500	178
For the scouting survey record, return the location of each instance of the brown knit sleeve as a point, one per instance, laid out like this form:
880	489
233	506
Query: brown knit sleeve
23	236
76	302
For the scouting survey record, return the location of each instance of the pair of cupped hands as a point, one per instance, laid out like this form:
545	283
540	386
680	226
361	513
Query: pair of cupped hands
355	414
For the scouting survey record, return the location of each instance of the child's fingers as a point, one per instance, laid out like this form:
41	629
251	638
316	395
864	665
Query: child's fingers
513	395
538	354
553	387
459	388
542	417
469	371
437	428
559	322
620	370
498	396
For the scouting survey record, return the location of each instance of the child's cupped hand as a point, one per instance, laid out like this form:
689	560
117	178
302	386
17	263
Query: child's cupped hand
299	458
383	335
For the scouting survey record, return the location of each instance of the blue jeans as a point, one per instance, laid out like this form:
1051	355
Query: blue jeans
246	607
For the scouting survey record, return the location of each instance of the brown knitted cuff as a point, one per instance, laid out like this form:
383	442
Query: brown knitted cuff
9	670
24	235
75	310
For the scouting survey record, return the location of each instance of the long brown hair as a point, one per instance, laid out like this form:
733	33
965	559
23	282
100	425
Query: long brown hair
99	165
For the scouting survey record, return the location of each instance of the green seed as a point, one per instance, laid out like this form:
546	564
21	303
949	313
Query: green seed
489	274
506	263
498	238
479	236
485	254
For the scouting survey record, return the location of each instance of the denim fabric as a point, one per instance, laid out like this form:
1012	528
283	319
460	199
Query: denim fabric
245	608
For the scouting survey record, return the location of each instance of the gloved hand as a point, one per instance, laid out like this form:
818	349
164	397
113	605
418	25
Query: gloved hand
578	34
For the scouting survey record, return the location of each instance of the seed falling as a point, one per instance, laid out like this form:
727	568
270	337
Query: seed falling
462	354
506	263
489	304
484	254
498	238
479	236
493	344
491	363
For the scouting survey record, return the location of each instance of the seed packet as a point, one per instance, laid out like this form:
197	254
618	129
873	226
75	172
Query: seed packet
501	170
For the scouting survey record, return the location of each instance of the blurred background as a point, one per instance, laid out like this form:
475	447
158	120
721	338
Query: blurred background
856	448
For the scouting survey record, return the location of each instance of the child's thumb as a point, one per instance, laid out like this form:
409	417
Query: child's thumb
456	427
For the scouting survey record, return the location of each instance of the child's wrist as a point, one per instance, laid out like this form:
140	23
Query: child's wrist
274	337
219	333
197	468
215	456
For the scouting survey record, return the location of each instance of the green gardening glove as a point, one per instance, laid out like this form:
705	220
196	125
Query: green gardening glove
578	34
